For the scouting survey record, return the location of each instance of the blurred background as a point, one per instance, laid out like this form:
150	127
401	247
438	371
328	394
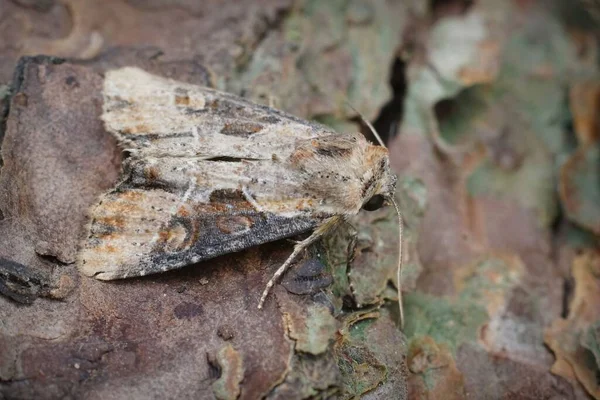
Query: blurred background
491	112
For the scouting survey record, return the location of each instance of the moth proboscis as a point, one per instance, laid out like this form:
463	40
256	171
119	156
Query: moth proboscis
210	173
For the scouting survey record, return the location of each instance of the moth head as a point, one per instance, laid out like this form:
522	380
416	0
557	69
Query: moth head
379	180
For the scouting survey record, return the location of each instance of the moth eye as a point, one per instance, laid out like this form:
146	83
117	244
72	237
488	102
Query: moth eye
374	203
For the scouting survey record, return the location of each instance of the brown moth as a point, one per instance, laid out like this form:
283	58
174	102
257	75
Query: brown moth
210	173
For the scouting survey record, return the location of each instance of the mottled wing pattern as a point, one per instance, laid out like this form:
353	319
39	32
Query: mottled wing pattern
136	232
155	116
206	176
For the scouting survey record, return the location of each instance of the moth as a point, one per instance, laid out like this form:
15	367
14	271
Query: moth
210	173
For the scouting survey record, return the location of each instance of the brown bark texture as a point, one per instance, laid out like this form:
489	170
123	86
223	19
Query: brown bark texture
491	114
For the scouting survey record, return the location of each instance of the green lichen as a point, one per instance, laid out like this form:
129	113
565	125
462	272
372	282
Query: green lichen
445	320
4	91
361	370
353	41
491	277
532	185
413	194
358	330
337	255
319	327
539	99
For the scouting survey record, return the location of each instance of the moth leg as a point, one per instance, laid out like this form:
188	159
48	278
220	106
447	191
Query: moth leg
327	226
251	200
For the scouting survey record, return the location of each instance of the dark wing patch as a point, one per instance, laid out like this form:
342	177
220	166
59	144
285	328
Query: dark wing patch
243	129
336	146
227	196
137	232
228	233
182	97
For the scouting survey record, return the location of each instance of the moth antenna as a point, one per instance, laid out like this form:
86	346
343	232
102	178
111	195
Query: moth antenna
399	270
371	127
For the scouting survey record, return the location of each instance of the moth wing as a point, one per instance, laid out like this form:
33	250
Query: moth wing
209	174
138	232
156	116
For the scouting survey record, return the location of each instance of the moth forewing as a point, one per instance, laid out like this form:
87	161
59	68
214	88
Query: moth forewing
210	173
